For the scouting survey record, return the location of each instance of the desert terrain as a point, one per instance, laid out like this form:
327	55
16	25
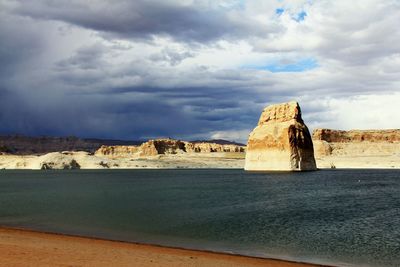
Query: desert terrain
332	149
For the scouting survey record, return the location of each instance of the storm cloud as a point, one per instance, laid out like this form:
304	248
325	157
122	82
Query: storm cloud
195	21
194	69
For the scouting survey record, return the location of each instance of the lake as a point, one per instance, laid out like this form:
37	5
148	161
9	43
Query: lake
337	217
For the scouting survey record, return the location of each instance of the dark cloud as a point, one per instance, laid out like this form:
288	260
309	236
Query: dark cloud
19	44
86	58
145	19
171	56
123	116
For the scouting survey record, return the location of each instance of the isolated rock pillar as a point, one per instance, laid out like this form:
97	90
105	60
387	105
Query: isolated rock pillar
281	141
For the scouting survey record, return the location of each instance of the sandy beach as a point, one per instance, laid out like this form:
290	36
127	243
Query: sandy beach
29	248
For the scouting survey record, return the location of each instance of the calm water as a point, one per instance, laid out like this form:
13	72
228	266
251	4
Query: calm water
340	217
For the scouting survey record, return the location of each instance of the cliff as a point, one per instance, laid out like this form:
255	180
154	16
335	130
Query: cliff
357	148
165	147
212	147
281	141
117	151
338	136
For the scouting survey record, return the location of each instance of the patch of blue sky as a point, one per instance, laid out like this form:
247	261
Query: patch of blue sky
299	66
300	16
297	17
279	11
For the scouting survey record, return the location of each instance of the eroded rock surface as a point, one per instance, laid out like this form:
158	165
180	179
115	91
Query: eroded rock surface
339	136
165	147
357	148
281	141
212	147
356	142
117	151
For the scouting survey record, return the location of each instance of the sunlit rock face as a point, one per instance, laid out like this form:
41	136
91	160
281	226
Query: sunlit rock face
353	136
212	147
117	151
166	146
281	141
357	144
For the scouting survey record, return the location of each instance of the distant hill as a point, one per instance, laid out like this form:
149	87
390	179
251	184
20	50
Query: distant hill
113	142
24	145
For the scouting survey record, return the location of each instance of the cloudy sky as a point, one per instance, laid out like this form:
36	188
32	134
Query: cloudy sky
194	69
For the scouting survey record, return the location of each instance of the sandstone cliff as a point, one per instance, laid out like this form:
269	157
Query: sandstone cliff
117	151
338	136
281	141
212	147
165	147
357	148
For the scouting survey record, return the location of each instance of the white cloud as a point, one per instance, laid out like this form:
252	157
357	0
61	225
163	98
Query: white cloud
366	112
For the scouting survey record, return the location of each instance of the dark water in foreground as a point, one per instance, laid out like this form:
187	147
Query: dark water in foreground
340	217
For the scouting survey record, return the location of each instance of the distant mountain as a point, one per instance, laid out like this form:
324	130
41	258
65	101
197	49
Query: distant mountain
113	142
24	145
218	141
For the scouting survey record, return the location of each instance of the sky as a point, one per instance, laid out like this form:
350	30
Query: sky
195	69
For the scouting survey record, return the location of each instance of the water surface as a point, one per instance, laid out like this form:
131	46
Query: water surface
339	217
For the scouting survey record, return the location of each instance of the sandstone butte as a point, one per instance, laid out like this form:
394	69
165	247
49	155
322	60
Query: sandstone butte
281	141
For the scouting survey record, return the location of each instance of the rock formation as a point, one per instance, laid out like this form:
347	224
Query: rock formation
167	147
212	147
25	145
58	160
357	148
358	145
338	136
117	151
164	146
281	141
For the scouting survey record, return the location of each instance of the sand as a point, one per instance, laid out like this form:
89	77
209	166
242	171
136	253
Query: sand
28	248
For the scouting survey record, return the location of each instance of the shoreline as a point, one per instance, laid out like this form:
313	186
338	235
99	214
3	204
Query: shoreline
215	160
207	168
23	247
